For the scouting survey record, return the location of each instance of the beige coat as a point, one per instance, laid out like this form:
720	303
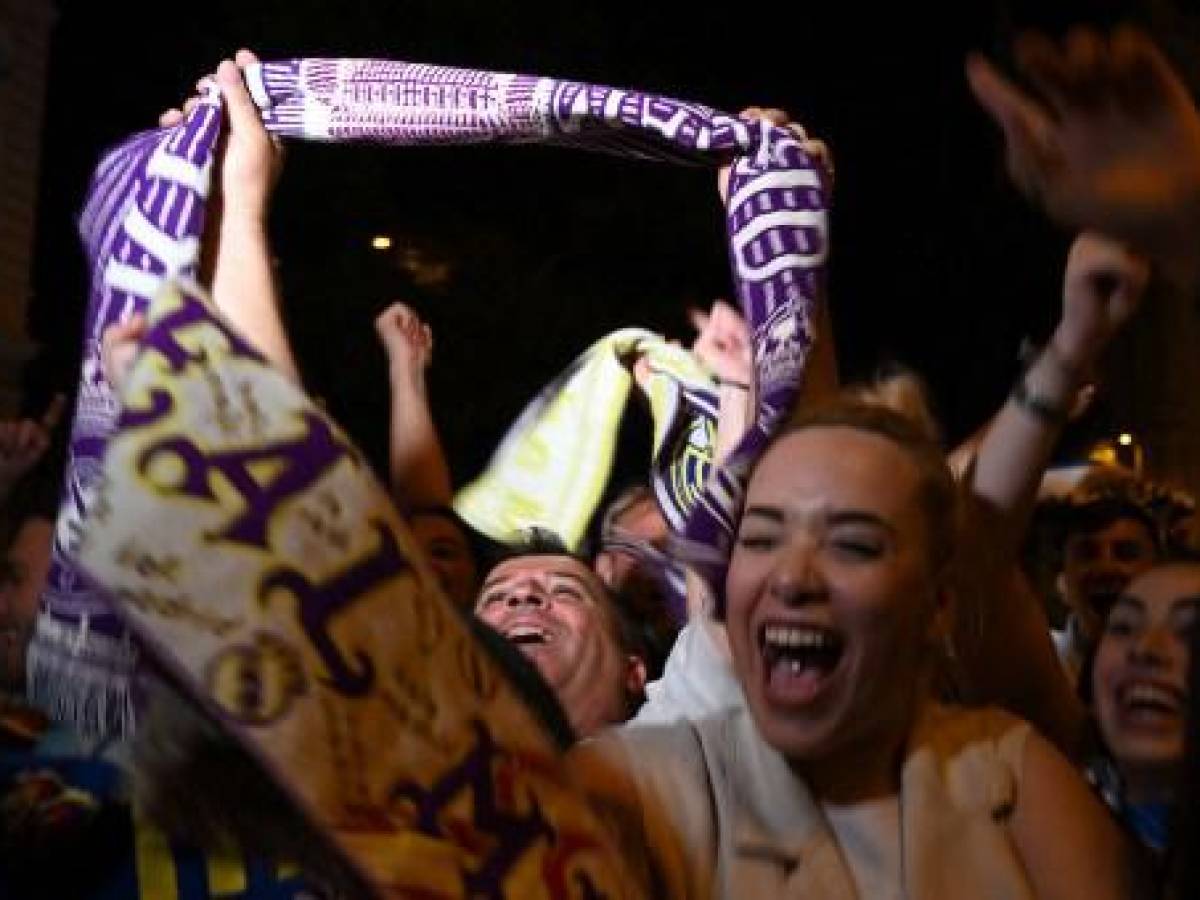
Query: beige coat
709	810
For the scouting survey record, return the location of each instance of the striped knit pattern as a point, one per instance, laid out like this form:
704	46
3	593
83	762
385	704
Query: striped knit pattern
144	214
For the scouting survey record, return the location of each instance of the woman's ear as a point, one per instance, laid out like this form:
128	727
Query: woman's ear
635	675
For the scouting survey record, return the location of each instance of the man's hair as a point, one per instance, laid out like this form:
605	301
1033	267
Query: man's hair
538	541
544	542
1108	495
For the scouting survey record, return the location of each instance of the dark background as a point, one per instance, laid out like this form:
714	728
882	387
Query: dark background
937	263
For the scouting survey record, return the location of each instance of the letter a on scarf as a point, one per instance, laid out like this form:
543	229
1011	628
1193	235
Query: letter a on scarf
217	518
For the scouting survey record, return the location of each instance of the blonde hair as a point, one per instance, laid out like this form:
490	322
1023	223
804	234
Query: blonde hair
900	390
915	435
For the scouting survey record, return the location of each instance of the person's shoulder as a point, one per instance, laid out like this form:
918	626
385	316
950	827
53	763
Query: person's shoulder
673	752
678	737
654	784
957	727
666	765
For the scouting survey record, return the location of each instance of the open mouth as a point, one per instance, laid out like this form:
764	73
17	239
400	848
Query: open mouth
798	659
1151	702
528	636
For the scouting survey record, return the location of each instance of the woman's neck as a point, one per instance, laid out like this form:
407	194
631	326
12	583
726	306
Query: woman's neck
867	770
868	767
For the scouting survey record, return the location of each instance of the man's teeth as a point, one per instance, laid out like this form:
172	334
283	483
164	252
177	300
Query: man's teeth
784	637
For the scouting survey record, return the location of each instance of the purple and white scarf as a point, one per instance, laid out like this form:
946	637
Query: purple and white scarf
144	216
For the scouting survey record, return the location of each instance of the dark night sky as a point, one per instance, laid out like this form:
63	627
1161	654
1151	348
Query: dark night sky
936	262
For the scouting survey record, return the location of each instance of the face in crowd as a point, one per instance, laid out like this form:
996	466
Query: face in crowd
556	611
1097	565
1140	674
449	553
832	597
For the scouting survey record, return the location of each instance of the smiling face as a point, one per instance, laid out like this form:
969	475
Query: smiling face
830	593
554	609
1140	676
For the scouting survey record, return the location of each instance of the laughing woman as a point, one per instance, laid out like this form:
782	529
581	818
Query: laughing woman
842	777
1140	696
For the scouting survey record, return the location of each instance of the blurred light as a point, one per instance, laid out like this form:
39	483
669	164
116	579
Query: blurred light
1103	453
1125	439
381	242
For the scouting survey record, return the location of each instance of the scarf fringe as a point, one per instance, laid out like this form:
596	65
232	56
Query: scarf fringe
85	680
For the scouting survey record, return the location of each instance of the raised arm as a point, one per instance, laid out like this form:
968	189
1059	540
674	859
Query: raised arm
722	344
1102	288
420	476
237	253
1006	646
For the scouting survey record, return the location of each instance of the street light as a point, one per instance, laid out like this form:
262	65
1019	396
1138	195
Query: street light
1125	439
381	242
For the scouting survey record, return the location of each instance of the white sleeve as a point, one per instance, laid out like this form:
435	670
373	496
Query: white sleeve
697	681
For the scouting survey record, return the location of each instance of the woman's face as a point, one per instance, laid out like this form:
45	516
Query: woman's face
449	554
1140	678
830	594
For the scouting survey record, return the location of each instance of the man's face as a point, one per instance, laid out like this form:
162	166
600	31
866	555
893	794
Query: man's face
555	611
448	552
1097	566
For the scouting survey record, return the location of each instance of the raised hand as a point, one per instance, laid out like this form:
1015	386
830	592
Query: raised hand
1113	142
407	340
818	150
249	160
235	254
118	346
723	342
1102	289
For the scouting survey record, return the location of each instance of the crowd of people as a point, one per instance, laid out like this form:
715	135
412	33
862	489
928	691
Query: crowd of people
876	703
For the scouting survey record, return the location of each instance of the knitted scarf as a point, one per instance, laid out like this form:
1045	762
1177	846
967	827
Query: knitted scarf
220	515
551	468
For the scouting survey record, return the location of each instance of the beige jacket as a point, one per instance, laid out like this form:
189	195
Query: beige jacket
709	810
